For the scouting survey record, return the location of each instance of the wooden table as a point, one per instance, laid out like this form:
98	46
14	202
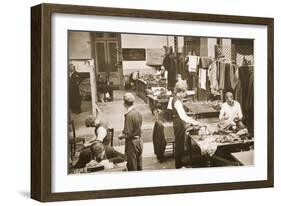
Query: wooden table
245	158
201	109
225	147
154	101
142	86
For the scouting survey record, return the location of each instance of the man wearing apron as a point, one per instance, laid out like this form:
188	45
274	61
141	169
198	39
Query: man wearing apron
132	134
180	119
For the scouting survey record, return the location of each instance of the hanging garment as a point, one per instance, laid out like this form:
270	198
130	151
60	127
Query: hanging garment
249	102
212	73
227	85
202	78
234	76
238	93
204	90
193	62
169	67
244	75
221	68
205	62
181	66
159	141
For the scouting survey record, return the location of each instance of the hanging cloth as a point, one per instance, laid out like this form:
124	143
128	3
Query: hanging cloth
205	62
193	62
202	78
234	76
227	85
212	73
222	66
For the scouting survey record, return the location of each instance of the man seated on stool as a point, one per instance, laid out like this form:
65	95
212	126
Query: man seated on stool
101	130
98	151
230	114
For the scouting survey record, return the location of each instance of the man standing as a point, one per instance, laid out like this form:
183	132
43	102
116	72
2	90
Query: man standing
180	123
132	134
74	93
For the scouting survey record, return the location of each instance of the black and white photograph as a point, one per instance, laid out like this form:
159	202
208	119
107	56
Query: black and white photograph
141	102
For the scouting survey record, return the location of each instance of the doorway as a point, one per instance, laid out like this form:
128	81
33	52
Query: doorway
107	53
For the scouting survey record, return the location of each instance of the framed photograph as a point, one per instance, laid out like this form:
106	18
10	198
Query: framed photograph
130	102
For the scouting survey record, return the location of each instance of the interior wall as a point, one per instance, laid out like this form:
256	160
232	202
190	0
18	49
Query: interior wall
146	42
79	45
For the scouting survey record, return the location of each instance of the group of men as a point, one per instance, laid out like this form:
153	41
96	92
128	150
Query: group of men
99	148
230	118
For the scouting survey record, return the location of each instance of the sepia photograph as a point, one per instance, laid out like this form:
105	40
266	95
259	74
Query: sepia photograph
157	102
153	102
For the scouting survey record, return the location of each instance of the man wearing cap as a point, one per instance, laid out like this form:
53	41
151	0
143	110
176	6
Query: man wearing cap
101	129
180	122
132	134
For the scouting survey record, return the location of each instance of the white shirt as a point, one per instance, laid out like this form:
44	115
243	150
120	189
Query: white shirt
231	111
101	133
183	116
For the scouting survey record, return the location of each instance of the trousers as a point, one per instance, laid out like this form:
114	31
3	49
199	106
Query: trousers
133	151
179	131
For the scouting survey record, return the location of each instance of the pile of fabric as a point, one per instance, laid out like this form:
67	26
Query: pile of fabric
209	142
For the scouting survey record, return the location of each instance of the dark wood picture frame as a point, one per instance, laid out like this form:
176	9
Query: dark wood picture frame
41	101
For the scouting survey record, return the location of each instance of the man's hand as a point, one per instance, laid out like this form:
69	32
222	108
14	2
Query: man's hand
196	123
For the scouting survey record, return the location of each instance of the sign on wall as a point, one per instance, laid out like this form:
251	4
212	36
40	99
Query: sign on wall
133	54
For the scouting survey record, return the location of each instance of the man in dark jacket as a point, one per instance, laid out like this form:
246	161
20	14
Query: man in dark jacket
98	151
74	96
132	134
